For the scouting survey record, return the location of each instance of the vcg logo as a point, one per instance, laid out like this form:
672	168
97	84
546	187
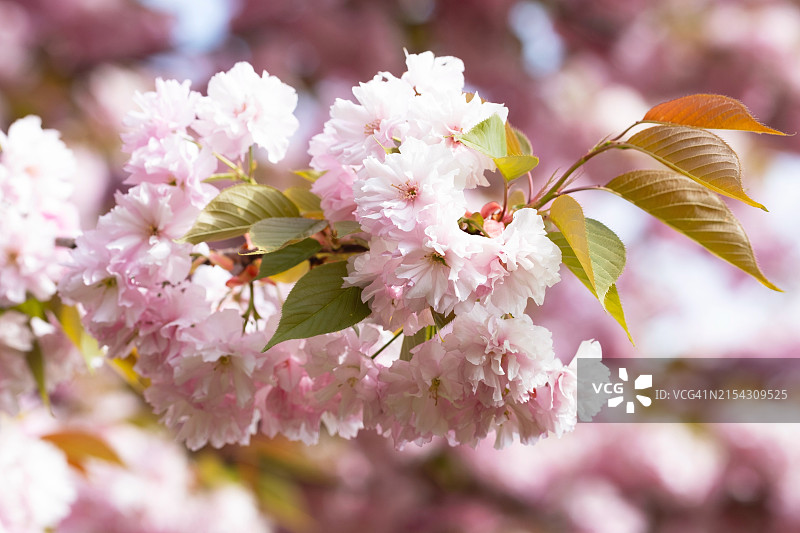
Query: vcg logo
617	390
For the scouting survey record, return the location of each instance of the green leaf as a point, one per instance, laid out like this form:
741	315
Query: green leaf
708	111
514	166
319	304
31	307
346	227
410	342
237	208
697	154
692	210
305	200
516	199
487	137
441	320
524	143
567	215
35	361
607	255
287	257
274	233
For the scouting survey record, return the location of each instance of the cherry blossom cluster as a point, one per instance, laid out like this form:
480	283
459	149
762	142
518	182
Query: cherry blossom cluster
390	161
140	289
393	163
37	173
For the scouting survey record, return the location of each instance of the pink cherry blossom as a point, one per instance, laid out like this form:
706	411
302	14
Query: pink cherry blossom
217	421
335	189
529	263
226	361
39	157
368	127
28	257
175	160
243	108
163	113
374	272
428	73
404	192
290	406
437	117
510	356
447	268
143	227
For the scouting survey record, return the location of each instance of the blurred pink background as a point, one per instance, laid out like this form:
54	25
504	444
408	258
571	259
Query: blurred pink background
571	72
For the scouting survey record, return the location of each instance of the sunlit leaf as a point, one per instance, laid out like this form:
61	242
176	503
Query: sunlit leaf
309	174
692	210
81	446
608	260
287	257
237	208
70	321
292	274
514	166
272	234
708	111
606	251
305	200
613	306
567	215
125	369
698	154
319	304
516	142
487	137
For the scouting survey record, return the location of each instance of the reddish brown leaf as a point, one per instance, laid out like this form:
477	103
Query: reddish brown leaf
79	446
708	111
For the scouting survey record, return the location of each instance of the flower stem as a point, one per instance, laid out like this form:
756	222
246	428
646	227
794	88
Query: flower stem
626	130
530	186
251	164
505	199
251	312
585	188
555	190
237	170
